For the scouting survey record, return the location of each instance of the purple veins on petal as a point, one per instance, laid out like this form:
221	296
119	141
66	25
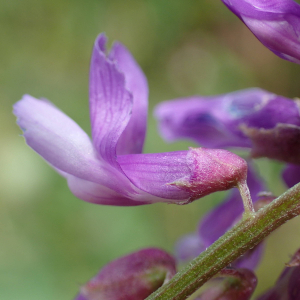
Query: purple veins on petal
134	276
275	23
132	138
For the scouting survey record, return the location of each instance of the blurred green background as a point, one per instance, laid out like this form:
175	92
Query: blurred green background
51	242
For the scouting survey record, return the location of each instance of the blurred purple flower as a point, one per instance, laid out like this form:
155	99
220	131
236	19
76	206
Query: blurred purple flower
287	286
291	175
276	23
110	169
251	118
227	214
237	284
132	277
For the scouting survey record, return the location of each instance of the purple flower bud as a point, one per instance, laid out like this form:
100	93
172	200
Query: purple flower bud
287	286
239	284
276	23
132	277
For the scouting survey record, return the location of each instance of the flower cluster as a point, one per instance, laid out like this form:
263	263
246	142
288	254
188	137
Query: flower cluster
111	169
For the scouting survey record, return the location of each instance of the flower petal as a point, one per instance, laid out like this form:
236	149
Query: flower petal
99	194
132	138
275	23
64	145
281	142
291	175
194	118
110	103
154	172
188	247
237	284
215	121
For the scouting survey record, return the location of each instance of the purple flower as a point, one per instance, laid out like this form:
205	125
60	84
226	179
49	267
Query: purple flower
238	284
287	286
276	23
110	169
132	277
251	118
221	219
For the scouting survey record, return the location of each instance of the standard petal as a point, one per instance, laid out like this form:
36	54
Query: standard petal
275	23
291	175
132	138
110	103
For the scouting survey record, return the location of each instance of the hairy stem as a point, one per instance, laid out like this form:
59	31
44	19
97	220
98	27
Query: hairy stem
247	201
243	236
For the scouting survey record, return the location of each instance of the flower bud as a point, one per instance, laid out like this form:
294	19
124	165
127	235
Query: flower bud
132	277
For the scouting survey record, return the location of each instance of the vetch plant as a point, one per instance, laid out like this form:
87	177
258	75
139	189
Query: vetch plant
110	168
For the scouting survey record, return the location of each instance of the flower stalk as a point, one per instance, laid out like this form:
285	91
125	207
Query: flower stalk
242	237
247	201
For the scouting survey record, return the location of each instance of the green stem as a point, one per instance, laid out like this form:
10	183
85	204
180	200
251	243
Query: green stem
251	230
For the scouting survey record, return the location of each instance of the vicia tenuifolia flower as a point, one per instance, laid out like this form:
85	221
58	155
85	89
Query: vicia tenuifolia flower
110	169
266	123
131	277
276	23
